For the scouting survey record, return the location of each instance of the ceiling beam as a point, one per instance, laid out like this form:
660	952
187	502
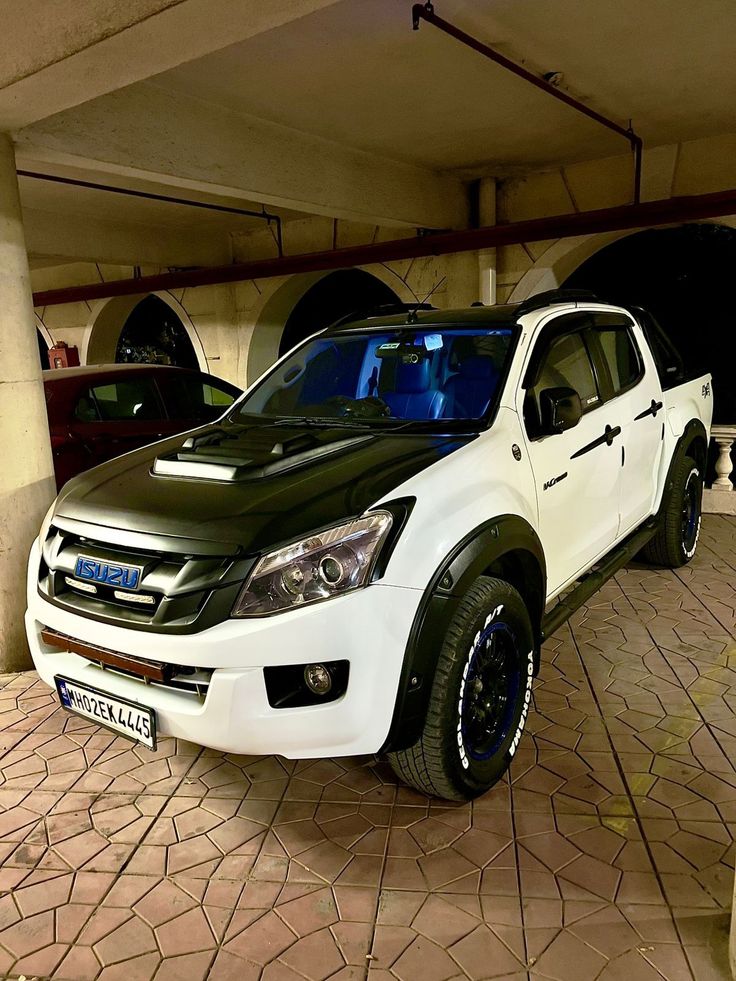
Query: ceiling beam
81	238
650	213
67	52
178	141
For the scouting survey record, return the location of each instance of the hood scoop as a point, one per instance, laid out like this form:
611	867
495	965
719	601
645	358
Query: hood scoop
231	457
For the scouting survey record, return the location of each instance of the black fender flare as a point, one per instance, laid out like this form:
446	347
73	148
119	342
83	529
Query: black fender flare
693	431
471	557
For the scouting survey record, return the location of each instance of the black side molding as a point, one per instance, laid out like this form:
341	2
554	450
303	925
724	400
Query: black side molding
610	433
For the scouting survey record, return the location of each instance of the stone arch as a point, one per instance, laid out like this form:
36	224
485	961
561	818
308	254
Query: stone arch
560	260
45	341
566	255
272	314
108	319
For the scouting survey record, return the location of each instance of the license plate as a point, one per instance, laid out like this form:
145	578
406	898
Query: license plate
129	719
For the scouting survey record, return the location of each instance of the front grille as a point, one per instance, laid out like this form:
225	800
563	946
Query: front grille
189	681
177	592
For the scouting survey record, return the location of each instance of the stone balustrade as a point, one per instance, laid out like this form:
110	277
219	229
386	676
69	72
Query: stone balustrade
720	498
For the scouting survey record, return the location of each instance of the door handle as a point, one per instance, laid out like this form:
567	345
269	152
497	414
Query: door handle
609	434
651	411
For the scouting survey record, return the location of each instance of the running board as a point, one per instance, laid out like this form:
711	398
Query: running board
592	582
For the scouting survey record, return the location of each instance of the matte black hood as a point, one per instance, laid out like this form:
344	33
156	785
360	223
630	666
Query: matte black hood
278	483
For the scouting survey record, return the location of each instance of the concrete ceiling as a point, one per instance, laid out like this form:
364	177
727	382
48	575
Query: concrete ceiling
330	107
356	73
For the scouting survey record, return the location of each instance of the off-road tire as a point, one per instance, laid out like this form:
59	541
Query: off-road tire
441	762
679	526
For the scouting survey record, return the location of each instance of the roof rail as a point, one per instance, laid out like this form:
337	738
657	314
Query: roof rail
549	297
382	310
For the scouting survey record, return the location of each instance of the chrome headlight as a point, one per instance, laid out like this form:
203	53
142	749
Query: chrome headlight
316	568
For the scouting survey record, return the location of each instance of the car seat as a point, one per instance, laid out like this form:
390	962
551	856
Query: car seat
470	389
413	396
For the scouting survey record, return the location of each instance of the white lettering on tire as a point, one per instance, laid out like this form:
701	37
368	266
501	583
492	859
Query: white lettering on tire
689	553
473	648
527	700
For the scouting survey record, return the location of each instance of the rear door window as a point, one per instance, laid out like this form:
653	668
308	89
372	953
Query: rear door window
620	354
132	399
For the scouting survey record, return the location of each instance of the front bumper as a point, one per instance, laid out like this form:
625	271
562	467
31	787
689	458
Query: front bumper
370	628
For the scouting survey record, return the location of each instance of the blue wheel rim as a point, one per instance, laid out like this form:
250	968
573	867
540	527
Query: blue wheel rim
490	692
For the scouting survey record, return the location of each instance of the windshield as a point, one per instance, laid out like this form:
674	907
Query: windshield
383	376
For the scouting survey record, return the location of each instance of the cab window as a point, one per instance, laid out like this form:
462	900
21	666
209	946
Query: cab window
566	364
620	354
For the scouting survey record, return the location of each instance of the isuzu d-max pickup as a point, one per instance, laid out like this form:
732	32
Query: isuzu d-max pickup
365	553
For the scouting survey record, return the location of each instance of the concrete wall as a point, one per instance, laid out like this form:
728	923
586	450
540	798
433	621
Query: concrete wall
236	328
696	167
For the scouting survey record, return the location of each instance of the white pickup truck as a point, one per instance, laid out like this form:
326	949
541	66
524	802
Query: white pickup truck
367	550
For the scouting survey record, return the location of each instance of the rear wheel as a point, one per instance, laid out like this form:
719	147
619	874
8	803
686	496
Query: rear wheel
480	697
677	536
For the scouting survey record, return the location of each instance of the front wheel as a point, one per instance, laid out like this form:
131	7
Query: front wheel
480	697
676	539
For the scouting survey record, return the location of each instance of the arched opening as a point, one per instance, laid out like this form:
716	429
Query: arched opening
152	329
153	334
336	295
682	275
43	350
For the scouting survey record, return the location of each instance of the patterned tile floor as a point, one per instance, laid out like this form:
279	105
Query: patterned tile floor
607	855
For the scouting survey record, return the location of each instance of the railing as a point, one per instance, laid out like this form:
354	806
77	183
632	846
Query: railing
720	498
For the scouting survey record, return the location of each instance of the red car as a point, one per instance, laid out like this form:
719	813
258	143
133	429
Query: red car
100	411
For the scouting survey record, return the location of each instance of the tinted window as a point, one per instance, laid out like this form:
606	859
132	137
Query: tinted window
567	365
397	373
130	399
189	397
622	357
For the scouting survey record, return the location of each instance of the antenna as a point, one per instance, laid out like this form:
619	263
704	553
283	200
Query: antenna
434	289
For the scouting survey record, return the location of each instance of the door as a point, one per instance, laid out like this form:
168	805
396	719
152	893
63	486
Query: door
635	391
115	415
576	471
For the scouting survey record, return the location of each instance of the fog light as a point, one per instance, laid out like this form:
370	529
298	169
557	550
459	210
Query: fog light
317	678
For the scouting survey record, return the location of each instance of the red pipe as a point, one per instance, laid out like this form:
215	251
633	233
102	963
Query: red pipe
663	212
426	12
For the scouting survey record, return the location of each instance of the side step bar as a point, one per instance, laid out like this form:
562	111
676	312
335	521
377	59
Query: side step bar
592	582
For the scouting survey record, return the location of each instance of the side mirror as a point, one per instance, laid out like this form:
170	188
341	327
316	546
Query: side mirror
561	409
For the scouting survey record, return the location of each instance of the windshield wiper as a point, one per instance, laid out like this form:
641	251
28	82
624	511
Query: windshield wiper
322	422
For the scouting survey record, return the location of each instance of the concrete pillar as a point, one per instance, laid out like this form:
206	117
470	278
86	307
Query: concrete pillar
26	473
487	259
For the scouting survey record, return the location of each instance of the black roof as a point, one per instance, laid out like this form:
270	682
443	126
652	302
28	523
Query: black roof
497	315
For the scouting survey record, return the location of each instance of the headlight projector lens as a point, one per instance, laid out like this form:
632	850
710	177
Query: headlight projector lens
317	678
331	570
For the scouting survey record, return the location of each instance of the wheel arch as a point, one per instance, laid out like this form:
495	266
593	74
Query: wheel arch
693	443
506	547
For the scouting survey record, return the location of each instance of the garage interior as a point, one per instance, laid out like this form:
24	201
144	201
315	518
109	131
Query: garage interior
206	183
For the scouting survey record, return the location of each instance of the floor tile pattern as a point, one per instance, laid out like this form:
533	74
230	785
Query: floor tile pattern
607	854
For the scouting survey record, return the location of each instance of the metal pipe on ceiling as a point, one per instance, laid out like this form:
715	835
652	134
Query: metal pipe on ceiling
649	213
154	196
426	12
